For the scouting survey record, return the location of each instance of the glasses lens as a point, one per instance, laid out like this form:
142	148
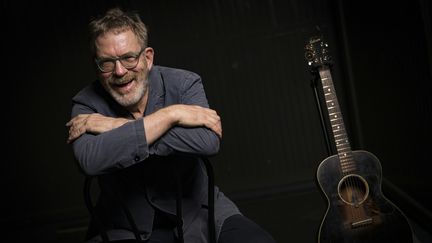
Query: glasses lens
106	66
129	61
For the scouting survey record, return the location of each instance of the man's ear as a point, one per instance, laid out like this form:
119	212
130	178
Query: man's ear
148	54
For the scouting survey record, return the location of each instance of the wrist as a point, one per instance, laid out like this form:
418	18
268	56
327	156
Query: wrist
171	114
120	122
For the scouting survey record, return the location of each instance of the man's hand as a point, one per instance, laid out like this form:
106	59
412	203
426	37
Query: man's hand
195	116
156	124
93	123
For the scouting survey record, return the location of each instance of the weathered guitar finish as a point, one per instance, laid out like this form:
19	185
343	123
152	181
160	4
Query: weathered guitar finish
357	210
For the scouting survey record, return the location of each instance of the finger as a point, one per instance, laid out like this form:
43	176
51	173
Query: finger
69	139
80	123
218	131
72	121
76	126
76	119
215	125
75	133
210	111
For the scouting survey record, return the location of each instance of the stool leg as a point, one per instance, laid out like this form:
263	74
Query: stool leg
211	216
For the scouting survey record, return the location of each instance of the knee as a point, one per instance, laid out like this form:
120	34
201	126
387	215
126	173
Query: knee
238	228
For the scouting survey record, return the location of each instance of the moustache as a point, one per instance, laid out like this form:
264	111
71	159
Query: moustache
121	80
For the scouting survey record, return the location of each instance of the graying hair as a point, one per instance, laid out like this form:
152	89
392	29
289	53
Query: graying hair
117	21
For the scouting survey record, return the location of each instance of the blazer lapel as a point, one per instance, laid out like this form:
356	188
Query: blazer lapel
156	91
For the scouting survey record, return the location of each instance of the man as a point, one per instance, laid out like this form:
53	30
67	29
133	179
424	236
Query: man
141	129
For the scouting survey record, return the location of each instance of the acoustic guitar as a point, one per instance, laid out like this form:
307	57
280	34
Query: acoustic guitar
357	211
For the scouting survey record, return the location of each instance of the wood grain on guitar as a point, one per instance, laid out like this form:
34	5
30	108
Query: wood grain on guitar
357	211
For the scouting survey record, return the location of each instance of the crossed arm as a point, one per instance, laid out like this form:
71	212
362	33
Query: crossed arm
102	144
155	124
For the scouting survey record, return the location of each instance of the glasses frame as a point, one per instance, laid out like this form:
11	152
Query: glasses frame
120	58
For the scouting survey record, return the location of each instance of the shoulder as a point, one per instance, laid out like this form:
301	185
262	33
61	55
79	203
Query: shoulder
88	94
175	76
95	97
177	85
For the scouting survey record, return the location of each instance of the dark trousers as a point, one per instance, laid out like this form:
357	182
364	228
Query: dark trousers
235	229
238	228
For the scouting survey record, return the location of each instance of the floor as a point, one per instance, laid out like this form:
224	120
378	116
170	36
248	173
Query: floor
289	217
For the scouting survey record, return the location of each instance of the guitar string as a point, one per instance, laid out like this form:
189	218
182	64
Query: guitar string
349	184
353	184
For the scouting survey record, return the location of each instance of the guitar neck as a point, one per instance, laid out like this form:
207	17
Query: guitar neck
340	136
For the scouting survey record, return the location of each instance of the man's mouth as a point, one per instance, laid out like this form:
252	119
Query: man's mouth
123	87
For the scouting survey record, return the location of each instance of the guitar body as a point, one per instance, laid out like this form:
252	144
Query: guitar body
357	210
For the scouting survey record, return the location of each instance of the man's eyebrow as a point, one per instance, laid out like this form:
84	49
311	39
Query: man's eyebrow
129	53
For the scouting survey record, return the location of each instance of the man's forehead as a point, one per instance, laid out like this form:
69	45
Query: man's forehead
117	41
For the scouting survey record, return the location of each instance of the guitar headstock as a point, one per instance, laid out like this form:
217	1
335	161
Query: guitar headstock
317	53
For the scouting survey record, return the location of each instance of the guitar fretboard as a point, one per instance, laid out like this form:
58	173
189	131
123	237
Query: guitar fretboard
336	121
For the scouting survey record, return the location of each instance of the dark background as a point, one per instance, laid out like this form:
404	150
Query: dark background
250	55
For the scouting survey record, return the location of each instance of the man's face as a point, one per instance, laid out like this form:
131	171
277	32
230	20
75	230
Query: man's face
126	85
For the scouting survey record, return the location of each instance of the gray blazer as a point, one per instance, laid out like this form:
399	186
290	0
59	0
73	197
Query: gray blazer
145	177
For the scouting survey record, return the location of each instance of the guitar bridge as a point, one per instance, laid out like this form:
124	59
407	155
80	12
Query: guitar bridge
361	223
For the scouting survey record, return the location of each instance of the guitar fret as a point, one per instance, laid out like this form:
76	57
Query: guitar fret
341	150
346	159
339	130
348	168
344	153
338	135
343	144
347	164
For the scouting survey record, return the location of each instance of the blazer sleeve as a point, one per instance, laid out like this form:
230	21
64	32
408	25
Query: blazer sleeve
194	140
112	150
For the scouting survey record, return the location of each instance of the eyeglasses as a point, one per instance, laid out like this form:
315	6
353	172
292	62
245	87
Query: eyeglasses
128	61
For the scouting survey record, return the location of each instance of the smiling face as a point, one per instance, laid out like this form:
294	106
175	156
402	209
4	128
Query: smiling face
127	86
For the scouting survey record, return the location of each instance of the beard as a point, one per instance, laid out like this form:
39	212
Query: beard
132	96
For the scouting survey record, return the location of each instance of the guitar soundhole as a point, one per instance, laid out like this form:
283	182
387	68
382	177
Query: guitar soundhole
353	189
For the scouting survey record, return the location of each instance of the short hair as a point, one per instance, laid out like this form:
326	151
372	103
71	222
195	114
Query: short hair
118	21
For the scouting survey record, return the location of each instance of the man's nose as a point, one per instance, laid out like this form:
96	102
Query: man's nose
119	70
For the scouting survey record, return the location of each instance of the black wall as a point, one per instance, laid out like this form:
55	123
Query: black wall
251	58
